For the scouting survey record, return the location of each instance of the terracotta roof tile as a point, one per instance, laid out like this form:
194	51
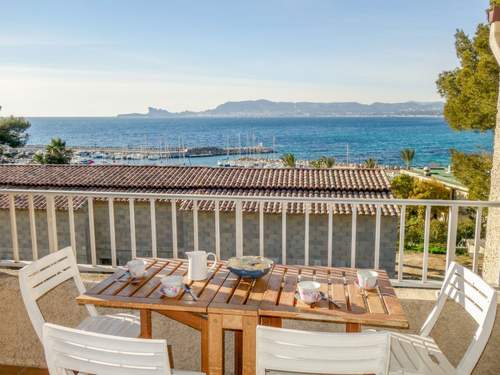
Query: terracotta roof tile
336	182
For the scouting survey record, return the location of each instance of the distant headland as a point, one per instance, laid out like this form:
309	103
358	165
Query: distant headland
267	108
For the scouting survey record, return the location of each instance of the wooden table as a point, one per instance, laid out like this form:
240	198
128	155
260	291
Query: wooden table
227	302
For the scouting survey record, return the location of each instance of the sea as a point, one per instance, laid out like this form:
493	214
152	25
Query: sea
348	139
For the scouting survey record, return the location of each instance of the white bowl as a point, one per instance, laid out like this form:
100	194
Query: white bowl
309	291
367	279
171	286
136	268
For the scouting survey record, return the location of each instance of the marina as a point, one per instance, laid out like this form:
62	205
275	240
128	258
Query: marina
90	155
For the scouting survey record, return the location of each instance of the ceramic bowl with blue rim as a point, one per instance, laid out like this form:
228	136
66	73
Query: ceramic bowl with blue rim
251	267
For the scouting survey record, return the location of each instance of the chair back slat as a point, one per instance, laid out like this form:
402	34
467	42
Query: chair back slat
41	276
88	352
319	352
478	299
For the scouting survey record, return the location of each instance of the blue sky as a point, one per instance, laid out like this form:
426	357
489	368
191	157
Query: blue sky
98	57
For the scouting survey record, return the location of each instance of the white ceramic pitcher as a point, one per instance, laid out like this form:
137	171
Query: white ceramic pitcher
197	268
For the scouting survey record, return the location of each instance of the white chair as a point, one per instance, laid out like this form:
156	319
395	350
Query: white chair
419	354
43	275
69	349
290	350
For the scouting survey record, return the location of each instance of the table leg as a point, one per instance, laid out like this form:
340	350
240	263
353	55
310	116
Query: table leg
146	328
353	327
215	345
249	342
238	352
204	345
271	321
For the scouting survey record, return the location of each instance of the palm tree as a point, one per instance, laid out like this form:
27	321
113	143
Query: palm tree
55	153
327	161
323	162
371	163
407	155
289	160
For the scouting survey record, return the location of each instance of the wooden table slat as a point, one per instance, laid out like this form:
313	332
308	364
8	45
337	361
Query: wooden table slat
180	271
133	287
225	292
258	290
274	285
154	282
287	296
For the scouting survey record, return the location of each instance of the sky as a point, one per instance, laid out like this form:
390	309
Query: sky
103	57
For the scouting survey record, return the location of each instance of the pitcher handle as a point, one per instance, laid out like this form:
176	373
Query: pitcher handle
215	261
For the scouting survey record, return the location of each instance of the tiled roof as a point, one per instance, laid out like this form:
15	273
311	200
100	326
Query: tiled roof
336	182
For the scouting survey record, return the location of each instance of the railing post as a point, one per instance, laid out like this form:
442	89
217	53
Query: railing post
283	232
239	228
217	229
13	227
330	235
34	241
306	234
131	214
354	218
71	218
152	209
452	235
51	223
93	252
427	230
477	240
173	208
376	261
402	224
112	235
261	229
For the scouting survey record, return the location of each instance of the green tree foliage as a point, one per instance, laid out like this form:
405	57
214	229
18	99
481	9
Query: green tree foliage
408	187
471	90
471	93
289	160
371	163
473	170
402	186
55	153
13	131
407	155
323	162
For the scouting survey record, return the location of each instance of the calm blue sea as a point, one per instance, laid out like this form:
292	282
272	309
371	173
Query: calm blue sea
380	138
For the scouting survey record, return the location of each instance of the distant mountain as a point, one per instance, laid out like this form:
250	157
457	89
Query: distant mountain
267	108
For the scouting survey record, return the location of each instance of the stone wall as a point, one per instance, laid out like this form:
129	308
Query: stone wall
318	236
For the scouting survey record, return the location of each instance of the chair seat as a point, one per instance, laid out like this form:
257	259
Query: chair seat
414	354
125	325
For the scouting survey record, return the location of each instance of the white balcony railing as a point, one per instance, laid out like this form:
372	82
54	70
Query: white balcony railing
283	202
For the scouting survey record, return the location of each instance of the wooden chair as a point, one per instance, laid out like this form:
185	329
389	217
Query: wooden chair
289	350
43	275
419	354
69	349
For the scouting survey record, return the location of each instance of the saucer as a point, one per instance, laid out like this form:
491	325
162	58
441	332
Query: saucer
297	297
356	283
162	292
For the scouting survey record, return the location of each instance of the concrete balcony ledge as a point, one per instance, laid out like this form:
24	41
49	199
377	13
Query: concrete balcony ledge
20	346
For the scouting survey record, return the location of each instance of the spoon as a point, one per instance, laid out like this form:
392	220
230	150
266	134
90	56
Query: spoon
188	290
326	298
